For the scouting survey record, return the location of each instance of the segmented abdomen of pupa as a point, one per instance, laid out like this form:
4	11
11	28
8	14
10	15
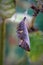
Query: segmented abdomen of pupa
23	36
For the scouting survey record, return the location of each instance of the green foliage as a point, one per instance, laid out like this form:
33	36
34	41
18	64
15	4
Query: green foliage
30	12
7	8
36	40
39	21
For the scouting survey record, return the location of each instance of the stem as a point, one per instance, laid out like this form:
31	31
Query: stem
2	40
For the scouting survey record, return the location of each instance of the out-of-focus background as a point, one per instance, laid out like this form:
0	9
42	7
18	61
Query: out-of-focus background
11	54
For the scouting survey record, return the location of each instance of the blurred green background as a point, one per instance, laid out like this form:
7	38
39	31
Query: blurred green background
35	56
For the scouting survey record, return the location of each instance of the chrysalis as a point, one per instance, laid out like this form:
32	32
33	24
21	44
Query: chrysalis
23	36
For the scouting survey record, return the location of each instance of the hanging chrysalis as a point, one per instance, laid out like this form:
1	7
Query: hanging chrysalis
23	36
